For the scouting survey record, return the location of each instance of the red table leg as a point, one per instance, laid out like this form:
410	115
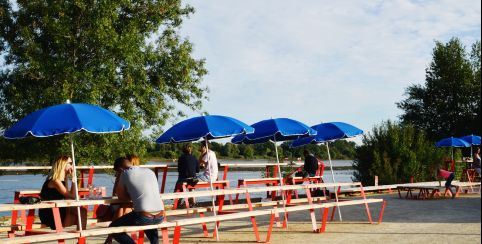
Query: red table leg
164	176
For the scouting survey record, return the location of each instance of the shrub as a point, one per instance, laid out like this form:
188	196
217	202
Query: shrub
396	152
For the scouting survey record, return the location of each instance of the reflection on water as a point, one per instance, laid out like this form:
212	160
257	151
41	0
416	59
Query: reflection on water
10	183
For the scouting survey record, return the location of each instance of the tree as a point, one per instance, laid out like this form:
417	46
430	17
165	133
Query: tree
395	152
123	55
448	104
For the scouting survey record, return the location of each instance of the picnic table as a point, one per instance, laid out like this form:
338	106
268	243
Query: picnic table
424	192
32	193
258	181
220	184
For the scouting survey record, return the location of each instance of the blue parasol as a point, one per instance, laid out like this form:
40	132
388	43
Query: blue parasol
205	127
329	132
66	119
472	140
452	142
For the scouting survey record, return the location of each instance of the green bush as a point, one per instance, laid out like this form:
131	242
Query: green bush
396	152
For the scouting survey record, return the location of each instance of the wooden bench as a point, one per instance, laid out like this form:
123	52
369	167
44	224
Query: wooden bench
41	238
356	190
28	218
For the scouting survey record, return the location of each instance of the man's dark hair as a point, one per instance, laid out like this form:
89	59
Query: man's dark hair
186	147
118	163
306	152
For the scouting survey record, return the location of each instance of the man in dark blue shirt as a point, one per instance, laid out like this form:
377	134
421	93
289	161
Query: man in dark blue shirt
187	165
311	163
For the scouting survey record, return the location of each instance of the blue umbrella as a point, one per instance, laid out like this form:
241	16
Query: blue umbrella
207	127
472	140
280	129
329	132
65	119
452	142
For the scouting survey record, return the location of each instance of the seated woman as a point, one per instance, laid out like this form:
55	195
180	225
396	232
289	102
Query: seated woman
55	188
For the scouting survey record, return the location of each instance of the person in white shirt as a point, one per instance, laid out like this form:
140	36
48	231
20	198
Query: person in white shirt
209	161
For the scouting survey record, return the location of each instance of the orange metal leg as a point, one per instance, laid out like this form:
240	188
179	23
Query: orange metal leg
165	236
270	228
177	235
323	220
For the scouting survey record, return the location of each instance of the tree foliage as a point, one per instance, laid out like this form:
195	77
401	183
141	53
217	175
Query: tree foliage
448	104
338	149
126	56
394	153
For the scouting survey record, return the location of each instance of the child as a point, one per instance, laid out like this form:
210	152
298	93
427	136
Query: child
449	177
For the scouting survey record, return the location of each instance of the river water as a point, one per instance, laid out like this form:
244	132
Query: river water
10	183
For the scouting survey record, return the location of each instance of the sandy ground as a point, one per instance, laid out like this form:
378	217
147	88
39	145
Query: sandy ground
405	221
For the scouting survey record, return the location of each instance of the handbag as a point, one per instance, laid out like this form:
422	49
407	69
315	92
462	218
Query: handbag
29	200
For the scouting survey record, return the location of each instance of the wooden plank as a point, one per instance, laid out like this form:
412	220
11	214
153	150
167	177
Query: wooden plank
120	229
250	165
74	203
17	206
326	205
40	238
207	193
260	179
193	221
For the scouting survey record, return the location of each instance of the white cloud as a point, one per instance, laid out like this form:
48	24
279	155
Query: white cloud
321	60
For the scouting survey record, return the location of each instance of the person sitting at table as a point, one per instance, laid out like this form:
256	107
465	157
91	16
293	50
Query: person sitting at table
120	164
310	166
55	187
209	162
134	159
140	186
187	166
476	163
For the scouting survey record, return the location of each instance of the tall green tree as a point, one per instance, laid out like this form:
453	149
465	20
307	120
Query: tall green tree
126	56
448	104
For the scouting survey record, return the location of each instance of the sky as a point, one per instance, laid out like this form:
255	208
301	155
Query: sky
320	61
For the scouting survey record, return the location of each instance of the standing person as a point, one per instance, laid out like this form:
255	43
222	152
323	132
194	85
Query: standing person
187	165
139	185
209	161
55	187
477	160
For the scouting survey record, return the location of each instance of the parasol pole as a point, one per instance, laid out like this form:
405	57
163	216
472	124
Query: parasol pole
280	178
333	178
212	188
74	183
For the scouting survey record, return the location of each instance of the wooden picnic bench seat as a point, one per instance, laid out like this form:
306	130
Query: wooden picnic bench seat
41	238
